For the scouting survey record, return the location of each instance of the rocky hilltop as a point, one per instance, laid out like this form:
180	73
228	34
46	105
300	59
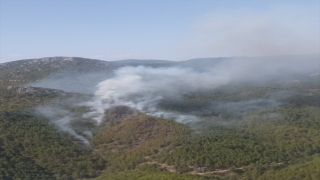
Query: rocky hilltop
30	70
36	90
58	61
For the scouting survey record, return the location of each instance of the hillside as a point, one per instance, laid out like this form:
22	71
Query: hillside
30	70
240	129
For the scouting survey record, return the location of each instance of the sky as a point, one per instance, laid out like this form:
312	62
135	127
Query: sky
157	29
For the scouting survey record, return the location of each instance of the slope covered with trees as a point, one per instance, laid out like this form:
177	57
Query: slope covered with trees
244	131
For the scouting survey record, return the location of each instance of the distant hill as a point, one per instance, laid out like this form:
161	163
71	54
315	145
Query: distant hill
78	74
29	70
138	62
202	64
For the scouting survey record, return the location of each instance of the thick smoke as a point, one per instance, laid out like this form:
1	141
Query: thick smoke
143	88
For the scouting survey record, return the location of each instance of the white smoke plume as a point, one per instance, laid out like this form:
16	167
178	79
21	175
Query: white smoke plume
143	88
61	119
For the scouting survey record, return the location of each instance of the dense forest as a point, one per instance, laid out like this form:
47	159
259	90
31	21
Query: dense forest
245	131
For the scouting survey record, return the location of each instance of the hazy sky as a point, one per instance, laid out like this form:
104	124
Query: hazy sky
157	29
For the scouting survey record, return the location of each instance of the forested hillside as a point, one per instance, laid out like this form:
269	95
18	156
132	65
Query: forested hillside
242	130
